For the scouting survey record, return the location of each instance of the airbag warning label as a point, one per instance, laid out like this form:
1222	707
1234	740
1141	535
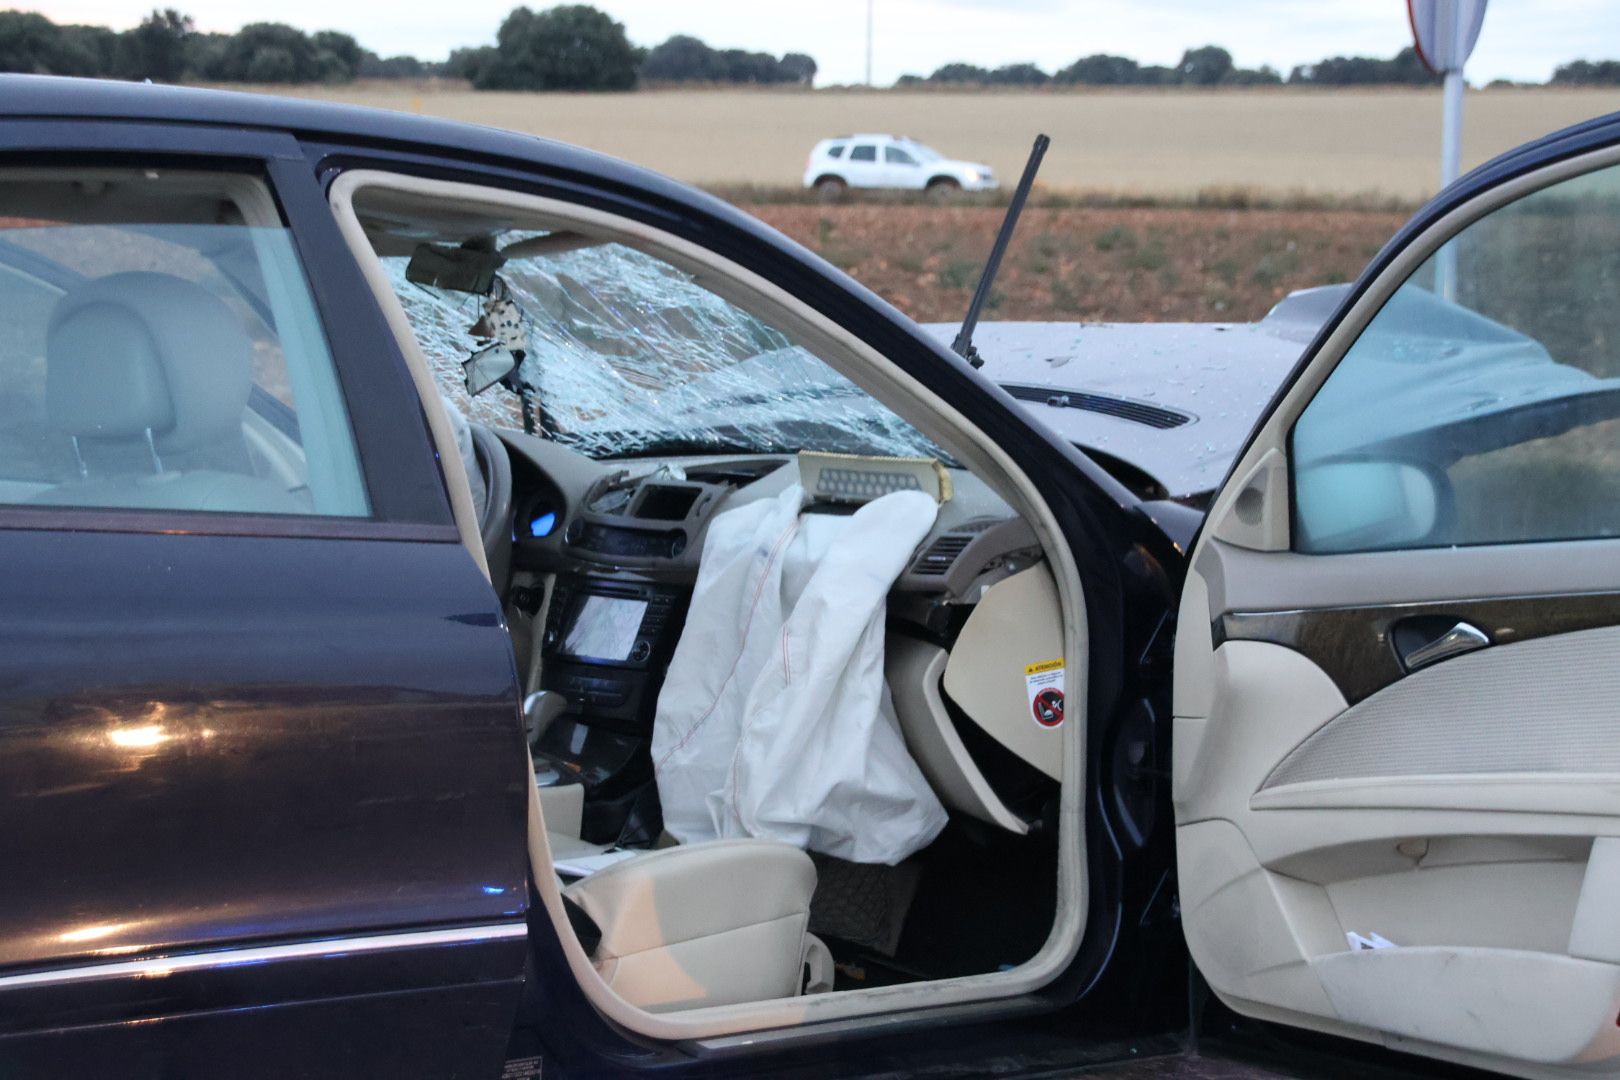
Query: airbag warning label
1044	682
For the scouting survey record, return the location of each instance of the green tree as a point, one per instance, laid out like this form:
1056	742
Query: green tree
26	42
470	63
1205	66
1587	73
1017	75
571	47
32	44
683	58
1100	70
1264	75
959	73
270	53
799	68
337	55
156	49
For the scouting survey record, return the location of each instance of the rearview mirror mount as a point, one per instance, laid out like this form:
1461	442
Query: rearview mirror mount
468	269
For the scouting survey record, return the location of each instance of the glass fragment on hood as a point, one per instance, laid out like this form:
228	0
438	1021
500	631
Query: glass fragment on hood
629	355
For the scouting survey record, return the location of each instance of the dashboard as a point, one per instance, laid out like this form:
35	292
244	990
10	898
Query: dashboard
648	517
605	555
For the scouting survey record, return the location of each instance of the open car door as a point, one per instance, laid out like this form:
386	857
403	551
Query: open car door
1397	735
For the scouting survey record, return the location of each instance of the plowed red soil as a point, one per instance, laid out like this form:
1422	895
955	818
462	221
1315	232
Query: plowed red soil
1090	264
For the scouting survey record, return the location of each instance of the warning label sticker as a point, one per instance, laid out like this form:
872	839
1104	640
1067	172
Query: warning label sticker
1044	682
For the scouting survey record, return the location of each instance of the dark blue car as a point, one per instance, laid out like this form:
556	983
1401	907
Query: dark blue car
472	607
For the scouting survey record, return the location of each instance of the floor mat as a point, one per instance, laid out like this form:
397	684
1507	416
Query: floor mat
862	903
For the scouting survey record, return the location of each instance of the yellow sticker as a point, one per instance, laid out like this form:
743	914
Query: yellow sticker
1044	683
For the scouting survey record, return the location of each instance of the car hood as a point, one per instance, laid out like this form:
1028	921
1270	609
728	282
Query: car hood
1175	400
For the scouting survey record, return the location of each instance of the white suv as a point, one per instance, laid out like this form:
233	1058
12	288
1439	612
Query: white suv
890	161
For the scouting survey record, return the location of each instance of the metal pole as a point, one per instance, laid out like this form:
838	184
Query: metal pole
1451	119
1451	127
868	42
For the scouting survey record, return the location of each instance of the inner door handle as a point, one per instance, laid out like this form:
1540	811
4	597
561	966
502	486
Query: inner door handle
1463	637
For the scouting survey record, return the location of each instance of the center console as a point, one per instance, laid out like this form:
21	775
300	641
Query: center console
605	647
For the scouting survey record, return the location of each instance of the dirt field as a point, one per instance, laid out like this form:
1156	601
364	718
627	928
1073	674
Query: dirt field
1164	143
1089	264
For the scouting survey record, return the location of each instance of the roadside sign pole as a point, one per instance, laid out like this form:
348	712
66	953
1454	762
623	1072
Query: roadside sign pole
1444	32
1445	267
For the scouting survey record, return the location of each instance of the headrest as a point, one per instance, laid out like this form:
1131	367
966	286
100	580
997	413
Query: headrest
135	351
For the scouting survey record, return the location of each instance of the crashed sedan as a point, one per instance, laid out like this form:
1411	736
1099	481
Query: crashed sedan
479	608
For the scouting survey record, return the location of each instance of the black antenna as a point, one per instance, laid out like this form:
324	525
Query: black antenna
963	345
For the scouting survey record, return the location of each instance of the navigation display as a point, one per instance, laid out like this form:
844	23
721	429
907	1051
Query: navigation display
604	628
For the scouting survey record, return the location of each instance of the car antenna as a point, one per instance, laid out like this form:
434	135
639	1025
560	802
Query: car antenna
963	345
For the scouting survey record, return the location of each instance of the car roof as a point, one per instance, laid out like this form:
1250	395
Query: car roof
58	97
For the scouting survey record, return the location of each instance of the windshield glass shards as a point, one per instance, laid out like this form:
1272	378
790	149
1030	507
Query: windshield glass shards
624	355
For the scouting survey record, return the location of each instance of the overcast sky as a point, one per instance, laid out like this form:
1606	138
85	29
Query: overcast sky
1522	39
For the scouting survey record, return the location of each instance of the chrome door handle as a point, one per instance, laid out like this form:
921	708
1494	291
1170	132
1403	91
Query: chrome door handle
1461	638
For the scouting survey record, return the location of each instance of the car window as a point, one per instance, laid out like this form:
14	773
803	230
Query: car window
624	354
863	153
836	150
895	156
161	351
1482	404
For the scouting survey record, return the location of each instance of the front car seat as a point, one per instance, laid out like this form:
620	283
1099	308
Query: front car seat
149	375
716	923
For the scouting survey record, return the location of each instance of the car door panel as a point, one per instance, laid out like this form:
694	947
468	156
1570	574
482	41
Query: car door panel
1373	841
265	772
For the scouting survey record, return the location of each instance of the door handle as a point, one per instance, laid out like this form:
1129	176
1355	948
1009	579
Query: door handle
1463	637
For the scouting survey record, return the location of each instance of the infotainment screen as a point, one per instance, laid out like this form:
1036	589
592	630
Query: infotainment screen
604	628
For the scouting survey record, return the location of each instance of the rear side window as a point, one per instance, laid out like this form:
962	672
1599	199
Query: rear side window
863	153
161	350
836	150
1482	404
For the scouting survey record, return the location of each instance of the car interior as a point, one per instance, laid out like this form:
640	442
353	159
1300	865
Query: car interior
161	350
794	672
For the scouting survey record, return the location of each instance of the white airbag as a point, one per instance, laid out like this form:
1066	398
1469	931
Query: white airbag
775	720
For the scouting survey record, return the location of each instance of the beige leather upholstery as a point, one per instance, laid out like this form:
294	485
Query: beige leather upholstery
564	846
717	923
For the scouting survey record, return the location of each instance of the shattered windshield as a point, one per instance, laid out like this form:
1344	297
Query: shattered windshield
626	355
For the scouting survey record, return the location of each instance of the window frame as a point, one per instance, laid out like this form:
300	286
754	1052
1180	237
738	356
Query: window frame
403	479
1418	257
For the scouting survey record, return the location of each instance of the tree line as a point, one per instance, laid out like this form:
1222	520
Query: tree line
578	47
569	47
1208	65
1212	65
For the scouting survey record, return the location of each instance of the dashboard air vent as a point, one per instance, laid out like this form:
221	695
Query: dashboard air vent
941	554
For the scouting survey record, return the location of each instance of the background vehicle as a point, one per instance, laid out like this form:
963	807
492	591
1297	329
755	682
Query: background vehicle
890	161
300	738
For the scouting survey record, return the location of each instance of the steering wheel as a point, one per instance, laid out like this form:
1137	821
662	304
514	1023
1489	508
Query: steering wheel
495	525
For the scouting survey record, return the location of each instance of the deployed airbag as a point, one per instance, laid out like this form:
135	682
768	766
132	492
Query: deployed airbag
775	720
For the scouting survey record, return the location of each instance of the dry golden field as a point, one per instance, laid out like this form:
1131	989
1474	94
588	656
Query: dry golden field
1148	143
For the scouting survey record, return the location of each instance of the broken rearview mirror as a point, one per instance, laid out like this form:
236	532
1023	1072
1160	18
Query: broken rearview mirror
459	269
486	367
